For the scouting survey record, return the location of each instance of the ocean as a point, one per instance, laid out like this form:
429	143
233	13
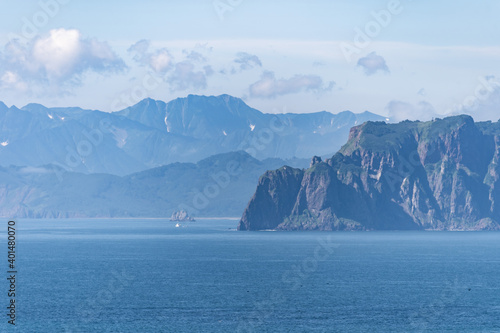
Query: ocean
147	275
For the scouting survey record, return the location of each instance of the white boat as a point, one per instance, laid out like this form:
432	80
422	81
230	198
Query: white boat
177	225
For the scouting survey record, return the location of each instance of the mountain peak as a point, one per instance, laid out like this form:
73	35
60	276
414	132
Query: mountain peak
34	107
367	113
212	98
234	159
152	133
147	102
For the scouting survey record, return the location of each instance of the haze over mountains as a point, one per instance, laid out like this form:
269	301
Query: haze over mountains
154	133
216	186
70	162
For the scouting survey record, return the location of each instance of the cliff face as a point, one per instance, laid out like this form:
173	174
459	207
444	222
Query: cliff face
441	175
273	200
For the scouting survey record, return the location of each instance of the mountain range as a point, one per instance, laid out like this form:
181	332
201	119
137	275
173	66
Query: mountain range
153	133
437	175
216	186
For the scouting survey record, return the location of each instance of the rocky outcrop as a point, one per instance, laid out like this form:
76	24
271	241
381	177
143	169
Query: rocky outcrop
273	200
439	175
181	216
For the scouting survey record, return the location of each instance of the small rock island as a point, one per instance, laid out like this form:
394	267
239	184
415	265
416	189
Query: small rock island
181	216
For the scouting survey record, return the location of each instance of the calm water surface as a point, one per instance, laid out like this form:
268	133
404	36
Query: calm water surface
149	276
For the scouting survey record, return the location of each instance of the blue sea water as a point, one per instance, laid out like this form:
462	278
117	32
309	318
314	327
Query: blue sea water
133	275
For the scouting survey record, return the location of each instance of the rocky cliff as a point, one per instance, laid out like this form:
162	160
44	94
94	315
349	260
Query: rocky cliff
439	175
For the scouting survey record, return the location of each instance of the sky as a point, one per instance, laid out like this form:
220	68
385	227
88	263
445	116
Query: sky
402	59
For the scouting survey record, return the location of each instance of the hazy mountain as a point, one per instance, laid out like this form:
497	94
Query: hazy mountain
441	175
153	133
217	186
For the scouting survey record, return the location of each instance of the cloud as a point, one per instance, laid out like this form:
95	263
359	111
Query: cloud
373	63
11	80
159	60
191	73
208	70
141	51
483	103
185	76
270	87
194	56
247	61
399	111
54	60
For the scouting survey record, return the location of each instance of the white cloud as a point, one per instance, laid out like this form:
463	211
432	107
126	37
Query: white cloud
160	60
11	80
191	73
247	61
270	87
482	104
399	111
209	71
194	56
141	51
185	76
484	101
58	53
373	63
54	60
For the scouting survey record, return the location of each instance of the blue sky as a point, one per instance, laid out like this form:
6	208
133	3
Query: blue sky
403	59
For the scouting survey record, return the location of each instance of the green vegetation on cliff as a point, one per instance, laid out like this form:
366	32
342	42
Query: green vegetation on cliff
441	175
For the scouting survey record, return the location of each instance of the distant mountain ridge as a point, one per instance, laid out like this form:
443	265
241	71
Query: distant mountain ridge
154	133
216	186
438	175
